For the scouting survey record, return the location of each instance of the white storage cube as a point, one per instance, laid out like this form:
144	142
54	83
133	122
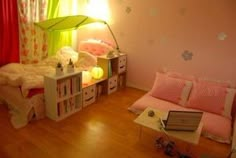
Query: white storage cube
112	84
89	95
122	64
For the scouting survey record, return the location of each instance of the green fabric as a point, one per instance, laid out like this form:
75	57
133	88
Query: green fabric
67	22
54	26
60	28
56	40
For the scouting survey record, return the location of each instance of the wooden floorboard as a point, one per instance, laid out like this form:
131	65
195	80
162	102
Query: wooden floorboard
104	129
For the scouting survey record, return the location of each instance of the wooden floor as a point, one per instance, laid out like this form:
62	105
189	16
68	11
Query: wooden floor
104	129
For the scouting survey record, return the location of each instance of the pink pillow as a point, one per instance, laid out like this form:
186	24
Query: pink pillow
212	98
181	76
95	47
217	127
215	83
171	89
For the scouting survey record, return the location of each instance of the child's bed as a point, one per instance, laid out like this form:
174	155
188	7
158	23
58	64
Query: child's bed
22	109
22	90
21	86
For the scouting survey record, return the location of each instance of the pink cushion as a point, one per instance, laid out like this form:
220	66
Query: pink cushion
149	101
207	97
214	83
233	110
168	88
217	127
212	98
181	76
95	47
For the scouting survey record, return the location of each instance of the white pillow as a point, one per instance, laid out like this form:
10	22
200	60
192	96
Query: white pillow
65	54
185	93
86	60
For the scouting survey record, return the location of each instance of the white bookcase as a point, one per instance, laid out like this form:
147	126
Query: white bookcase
63	95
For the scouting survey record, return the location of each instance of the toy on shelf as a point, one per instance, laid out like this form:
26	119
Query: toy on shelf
70	66
59	69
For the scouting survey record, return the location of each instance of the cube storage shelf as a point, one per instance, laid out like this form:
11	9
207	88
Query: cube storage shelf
114	77
63	95
115	71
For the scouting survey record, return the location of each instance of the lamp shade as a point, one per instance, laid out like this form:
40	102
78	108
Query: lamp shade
86	77
97	72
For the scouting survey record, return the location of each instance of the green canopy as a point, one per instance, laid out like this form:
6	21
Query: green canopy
67	22
71	22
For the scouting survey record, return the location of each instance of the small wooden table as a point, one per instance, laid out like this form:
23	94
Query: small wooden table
154	123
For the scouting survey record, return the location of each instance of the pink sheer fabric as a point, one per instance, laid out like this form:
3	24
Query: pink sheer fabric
9	41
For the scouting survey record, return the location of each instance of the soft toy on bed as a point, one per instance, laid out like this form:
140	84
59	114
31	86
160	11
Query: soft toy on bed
82	59
86	61
95	47
65	54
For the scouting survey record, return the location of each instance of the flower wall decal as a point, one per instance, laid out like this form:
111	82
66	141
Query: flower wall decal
163	39
128	10
222	36
187	55
151	41
153	12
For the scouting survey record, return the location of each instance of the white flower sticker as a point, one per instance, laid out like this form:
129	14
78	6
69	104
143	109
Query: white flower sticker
153	12
222	36
163	39
128	10
187	55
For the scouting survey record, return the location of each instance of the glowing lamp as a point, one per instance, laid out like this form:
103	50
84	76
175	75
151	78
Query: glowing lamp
86	77
97	72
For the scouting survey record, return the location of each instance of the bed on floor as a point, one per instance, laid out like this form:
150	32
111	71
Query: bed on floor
22	91
22	85
22	109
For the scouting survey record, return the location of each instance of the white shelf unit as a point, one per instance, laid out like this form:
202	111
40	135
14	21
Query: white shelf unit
63	94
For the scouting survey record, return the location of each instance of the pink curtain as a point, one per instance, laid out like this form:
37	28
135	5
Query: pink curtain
9	40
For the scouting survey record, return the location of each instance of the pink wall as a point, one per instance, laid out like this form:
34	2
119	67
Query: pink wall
155	33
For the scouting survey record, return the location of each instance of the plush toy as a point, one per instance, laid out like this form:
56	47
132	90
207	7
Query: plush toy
59	69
